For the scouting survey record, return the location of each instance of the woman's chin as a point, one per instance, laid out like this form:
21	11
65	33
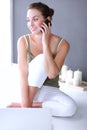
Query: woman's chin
36	32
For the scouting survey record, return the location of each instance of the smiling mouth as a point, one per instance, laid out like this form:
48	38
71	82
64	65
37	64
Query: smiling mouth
32	29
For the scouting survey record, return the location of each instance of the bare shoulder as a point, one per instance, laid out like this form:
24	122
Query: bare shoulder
63	44
22	50
62	51
22	42
21	39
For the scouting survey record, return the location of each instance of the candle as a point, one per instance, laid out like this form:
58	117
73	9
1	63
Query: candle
64	72
78	76
76	82
69	76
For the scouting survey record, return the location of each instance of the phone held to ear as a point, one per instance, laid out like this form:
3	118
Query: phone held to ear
47	23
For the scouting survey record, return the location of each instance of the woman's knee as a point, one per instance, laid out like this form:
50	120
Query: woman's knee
71	109
60	109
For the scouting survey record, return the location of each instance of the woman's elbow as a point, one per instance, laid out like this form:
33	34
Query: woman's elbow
52	75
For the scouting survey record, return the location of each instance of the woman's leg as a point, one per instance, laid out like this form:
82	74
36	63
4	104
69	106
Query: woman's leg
58	102
37	76
37	73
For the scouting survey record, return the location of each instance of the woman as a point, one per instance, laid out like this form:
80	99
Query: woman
41	55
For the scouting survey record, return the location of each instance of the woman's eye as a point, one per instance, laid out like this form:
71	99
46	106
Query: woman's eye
36	19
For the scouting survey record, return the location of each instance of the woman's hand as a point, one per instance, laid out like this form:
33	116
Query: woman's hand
46	31
50	65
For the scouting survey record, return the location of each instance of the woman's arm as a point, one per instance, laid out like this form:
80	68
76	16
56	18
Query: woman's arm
23	71
62	52
53	66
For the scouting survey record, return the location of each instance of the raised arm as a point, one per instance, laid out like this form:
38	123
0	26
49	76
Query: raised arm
53	66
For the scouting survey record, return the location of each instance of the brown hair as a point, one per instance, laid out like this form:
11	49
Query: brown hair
43	8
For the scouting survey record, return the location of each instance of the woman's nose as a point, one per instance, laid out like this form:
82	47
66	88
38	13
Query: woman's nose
31	23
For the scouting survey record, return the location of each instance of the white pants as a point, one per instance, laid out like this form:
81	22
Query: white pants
52	98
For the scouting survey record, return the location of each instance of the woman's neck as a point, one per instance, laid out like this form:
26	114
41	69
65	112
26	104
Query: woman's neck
36	38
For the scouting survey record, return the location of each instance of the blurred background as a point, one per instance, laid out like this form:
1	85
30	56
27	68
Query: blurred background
69	22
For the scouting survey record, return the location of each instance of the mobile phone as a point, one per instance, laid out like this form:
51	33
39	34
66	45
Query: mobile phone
47	22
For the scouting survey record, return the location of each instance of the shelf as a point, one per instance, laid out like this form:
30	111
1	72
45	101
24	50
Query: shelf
82	87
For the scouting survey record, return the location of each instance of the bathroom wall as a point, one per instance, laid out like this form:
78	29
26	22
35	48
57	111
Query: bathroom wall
69	22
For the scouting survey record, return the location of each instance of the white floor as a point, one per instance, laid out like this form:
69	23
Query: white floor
9	91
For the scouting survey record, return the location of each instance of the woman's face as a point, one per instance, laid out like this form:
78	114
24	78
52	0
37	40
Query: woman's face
34	20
